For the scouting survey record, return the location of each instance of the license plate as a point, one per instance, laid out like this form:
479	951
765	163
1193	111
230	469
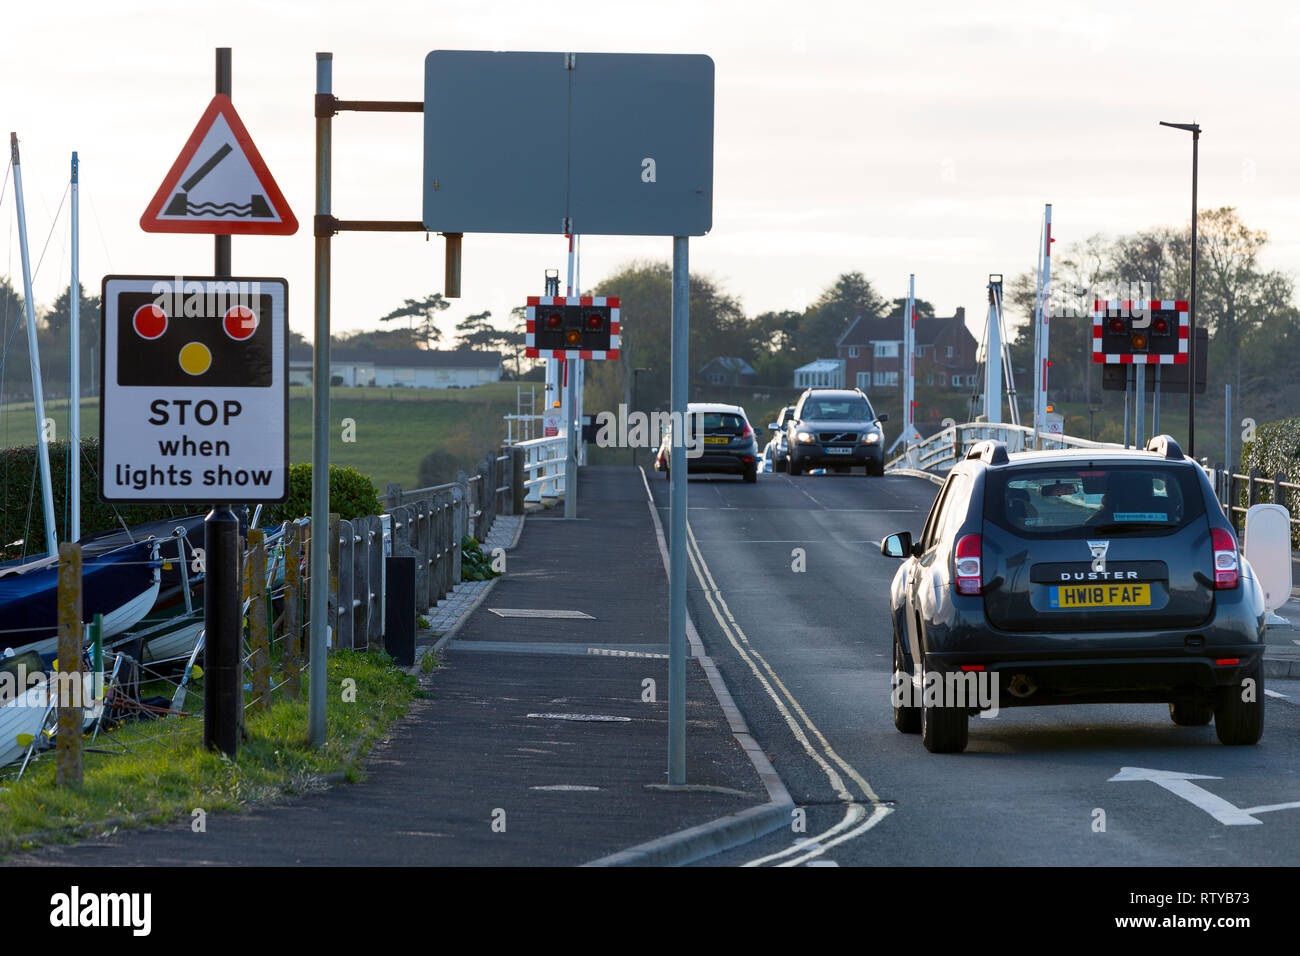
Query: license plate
714	440
1067	597
839	451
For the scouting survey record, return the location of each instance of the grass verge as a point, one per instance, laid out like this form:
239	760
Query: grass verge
158	771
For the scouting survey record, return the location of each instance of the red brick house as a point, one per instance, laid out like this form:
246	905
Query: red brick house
872	351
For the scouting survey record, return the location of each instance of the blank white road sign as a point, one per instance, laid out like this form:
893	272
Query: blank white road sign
194	397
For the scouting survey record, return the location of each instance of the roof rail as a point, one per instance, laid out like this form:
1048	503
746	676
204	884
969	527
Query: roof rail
1165	447
989	451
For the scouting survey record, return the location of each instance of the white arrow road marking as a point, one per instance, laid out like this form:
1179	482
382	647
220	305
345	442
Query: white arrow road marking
1180	784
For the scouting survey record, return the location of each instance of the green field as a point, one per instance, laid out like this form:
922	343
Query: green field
392	428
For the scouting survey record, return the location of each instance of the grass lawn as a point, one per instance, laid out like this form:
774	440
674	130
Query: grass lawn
159	770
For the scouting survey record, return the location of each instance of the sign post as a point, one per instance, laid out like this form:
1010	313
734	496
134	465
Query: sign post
195	377
635	158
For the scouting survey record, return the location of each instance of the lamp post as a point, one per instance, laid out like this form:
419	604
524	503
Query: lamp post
634	407
1195	130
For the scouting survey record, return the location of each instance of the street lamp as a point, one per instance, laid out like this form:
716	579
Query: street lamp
1195	130
634	407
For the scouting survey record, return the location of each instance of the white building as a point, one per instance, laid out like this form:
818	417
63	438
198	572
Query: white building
823	373
402	368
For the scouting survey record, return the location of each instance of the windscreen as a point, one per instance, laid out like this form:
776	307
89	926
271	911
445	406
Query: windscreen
848	409
1116	501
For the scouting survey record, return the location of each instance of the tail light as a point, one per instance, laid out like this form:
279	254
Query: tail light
1225	558
967	565
748	432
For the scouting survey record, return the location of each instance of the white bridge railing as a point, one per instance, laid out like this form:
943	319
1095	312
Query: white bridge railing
544	466
942	449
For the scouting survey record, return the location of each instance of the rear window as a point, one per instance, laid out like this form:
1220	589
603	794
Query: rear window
1121	501
716	422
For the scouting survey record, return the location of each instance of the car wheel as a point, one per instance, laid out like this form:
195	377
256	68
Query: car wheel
875	468
943	729
1191	713
1239	712
751	473
907	716
781	465
792	466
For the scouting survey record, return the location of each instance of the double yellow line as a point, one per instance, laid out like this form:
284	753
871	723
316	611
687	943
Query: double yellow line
810	738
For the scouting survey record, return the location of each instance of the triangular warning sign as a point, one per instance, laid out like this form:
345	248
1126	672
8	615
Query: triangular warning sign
219	183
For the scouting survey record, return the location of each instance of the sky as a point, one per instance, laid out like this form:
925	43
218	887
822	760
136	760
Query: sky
886	138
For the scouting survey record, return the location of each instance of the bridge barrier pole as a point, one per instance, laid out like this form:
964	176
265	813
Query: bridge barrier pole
290	651
260	664
332	585
518	475
68	685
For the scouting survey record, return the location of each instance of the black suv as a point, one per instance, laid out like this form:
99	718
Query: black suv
835	428
1079	576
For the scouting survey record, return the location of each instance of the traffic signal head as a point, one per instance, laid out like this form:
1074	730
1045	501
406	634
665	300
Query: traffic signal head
1140	331
571	326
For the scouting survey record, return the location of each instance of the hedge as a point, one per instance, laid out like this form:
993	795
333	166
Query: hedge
22	515
1276	448
352	495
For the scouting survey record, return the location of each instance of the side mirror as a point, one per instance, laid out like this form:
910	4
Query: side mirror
883	417
897	545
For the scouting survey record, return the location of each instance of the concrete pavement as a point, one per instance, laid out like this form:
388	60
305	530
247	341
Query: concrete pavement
543	739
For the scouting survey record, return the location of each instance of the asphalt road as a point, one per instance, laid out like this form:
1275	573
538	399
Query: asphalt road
790	595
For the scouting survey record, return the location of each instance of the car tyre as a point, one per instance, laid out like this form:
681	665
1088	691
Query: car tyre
875	468
751	474
944	730
1240	722
907	717
792	466
782	464
1191	713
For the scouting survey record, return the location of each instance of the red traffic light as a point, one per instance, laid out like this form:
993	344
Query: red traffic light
554	320
1160	326
594	321
1117	326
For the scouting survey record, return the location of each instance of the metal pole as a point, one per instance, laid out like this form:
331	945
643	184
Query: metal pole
1128	402
320	444
993	356
1191	312
571	443
222	617
1155	405
1140	413
33	355
74	366
909	368
1227	427
681	348
570	409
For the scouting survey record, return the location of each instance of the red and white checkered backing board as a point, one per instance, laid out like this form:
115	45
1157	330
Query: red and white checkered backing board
532	351
1101	311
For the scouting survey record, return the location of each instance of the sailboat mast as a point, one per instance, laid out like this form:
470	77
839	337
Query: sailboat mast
38	396
74	377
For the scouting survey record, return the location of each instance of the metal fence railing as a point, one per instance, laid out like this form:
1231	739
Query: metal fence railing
942	449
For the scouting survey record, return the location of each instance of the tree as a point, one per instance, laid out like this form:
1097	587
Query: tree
850	296
425	310
477	332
